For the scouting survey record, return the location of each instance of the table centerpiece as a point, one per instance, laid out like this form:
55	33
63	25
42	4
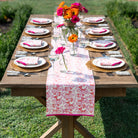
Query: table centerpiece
71	17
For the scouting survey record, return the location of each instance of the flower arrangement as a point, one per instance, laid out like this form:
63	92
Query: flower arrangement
60	50
70	15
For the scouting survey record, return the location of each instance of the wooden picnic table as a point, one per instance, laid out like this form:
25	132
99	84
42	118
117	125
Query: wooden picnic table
107	85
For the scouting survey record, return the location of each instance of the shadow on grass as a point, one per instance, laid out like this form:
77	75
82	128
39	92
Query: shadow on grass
4	92
119	115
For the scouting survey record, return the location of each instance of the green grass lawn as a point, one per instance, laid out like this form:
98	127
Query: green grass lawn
25	117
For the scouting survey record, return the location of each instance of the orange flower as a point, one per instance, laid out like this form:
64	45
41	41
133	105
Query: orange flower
61	4
66	7
67	14
73	38
75	11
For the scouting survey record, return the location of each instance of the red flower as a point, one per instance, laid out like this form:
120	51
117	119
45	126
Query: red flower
60	25
84	9
59	11
75	19
60	50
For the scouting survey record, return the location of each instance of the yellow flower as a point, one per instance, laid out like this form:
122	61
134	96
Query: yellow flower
5	17
75	11
73	38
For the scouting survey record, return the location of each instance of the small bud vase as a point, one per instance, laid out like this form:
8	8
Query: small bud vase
73	49
63	63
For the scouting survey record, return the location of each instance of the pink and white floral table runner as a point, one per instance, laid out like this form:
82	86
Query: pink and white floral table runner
73	92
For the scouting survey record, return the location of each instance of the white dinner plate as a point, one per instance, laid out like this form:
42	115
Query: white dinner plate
89	31
48	20
46	31
41	62
108	47
97	62
88	18
44	44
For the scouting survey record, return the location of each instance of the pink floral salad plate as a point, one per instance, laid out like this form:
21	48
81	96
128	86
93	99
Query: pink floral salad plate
30	62
41	20
37	31
93	19
34	44
102	44
108	62
97	31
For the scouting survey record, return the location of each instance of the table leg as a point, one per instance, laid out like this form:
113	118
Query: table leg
42	100
67	127
82	130
51	131
97	98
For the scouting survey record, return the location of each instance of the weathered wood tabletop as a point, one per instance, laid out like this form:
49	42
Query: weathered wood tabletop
107	84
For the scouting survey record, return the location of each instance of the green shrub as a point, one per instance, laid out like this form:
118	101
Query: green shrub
6	12
9	40
122	14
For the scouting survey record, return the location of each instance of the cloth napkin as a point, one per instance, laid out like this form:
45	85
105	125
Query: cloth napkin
40	20
110	62
91	20
36	30
33	43
98	30
102	43
28	60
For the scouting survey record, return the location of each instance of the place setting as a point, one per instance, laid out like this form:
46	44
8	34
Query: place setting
96	32
41	21
35	45
37	32
107	64
101	46
93	20
30	64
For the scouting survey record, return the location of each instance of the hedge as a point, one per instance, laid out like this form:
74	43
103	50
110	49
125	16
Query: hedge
9	40
122	15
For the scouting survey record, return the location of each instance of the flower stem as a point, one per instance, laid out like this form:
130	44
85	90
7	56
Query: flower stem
64	62
73	49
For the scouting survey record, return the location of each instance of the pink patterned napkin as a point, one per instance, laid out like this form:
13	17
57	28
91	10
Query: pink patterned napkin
98	30
41	20
95	20
103	44
33	43
71	93
28	60
110	62
36	30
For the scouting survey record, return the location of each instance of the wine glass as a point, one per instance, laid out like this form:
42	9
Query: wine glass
53	57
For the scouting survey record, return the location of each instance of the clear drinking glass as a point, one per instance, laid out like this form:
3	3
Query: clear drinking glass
53	57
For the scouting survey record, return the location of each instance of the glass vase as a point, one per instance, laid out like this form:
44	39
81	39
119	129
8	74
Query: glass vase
63	63
73	49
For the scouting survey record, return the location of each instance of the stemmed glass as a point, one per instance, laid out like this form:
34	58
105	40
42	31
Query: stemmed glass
53	57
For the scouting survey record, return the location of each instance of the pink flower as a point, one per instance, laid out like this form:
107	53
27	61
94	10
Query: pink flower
76	5
60	50
84	9
60	25
59	11
75	19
